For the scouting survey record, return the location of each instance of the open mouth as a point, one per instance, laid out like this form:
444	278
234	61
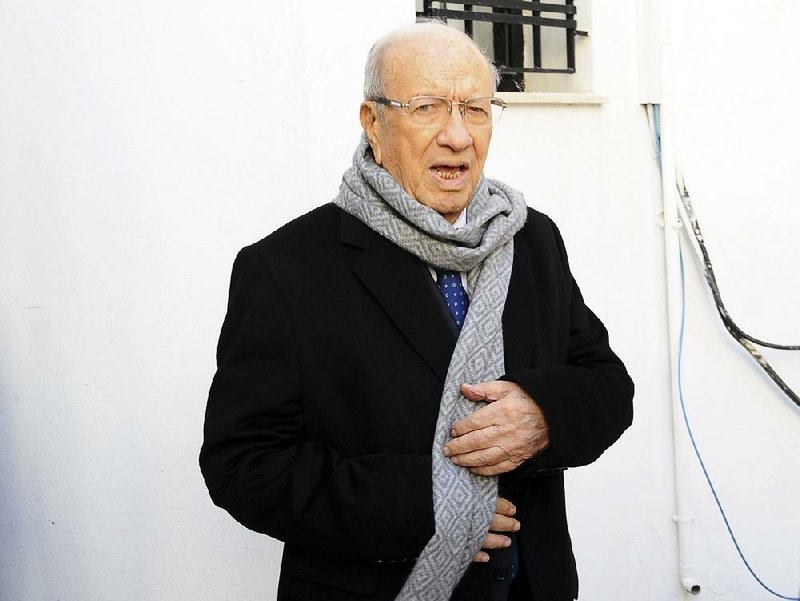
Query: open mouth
449	172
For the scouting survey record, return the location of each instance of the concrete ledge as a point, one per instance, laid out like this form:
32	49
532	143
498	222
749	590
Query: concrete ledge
552	98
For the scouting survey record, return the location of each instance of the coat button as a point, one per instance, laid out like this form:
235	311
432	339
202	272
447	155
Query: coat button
500	573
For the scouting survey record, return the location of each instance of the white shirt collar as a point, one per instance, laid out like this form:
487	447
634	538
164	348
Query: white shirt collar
461	220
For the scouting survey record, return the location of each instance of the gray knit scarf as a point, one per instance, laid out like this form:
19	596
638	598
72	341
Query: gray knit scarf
463	503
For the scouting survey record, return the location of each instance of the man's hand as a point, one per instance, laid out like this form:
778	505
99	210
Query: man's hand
501	522
501	435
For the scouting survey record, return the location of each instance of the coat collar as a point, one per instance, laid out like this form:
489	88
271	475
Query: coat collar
402	285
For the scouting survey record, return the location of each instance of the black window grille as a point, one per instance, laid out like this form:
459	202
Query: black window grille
508	19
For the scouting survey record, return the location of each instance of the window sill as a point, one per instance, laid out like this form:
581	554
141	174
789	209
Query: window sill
552	98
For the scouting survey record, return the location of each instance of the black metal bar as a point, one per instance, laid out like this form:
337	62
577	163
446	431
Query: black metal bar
508	20
570	43
537	41
525	5
461	15
502	45
509	52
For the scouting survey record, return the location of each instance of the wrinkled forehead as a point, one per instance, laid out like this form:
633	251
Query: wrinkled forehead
435	64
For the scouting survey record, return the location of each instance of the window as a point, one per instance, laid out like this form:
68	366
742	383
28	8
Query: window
536	46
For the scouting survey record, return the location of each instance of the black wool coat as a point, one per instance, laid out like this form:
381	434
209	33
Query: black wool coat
320	418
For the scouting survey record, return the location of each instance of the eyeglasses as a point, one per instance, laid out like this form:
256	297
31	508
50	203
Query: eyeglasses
434	111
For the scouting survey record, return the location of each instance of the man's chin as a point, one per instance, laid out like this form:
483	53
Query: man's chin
447	204
450	211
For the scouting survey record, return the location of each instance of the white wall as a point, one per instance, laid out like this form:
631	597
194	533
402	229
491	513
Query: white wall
142	144
736	131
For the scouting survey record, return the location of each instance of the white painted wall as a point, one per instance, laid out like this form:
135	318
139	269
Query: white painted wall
142	144
735	135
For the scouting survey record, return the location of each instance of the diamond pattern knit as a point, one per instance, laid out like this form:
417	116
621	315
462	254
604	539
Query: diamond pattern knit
463	503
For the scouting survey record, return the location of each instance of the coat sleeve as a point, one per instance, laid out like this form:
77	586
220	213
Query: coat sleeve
587	398
258	464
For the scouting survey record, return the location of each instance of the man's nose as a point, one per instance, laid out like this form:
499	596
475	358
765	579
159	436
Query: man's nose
455	132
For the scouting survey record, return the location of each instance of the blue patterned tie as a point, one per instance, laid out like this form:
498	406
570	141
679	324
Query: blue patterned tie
453	293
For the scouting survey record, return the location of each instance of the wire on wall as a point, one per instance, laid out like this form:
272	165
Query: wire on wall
692	226
697	450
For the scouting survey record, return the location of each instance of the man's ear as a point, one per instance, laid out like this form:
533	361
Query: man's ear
371	122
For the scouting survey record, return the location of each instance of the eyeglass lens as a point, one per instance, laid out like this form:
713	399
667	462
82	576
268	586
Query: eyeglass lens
431	110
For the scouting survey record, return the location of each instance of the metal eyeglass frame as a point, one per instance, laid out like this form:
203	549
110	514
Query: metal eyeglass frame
462	105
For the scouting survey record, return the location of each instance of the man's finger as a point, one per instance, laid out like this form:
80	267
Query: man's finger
480	418
471	441
505	507
481	457
501	523
496	541
486	391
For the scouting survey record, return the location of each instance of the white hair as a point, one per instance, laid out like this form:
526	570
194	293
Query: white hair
374	83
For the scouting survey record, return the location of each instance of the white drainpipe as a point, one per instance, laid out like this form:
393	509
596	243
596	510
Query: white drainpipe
655	75
681	445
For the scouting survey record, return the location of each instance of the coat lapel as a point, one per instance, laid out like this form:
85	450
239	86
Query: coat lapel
520	335
398	282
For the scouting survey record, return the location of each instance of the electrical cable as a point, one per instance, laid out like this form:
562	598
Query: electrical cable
654	114
694	442
692	226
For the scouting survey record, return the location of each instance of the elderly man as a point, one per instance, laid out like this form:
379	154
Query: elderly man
404	373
